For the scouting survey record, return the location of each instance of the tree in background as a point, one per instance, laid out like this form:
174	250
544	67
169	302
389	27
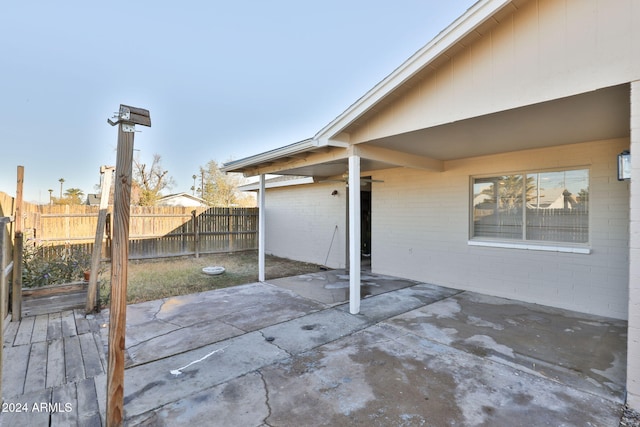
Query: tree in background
221	189
74	195
149	181
61	181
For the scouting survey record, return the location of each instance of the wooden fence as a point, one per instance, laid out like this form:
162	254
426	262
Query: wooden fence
6	263
549	225
154	232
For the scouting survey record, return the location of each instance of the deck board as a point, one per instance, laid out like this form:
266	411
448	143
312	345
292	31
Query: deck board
82	324
54	328
64	400
10	332
55	363
34	417
37	368
23	337
53	303
68	324
14	370
40	328
88	408
74	365
90	356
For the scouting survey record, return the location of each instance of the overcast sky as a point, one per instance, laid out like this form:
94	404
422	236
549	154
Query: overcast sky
222	80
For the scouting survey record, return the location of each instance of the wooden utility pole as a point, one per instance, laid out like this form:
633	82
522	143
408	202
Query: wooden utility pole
127	118
93	291
16	306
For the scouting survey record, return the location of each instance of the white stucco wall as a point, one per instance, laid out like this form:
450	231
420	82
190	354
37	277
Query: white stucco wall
546	49
420	228
303	220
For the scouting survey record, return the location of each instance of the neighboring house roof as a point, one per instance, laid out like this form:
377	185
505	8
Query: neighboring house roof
93	199
181	199
553	198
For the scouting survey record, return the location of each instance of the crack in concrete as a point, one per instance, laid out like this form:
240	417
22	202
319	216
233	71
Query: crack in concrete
266	395
271	340
164	300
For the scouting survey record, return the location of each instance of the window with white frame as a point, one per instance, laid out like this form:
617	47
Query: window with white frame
533	206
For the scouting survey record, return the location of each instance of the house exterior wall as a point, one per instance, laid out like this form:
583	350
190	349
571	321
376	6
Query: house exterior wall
420	231
633	340
306	223
546	49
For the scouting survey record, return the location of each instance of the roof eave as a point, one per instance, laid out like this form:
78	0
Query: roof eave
475	16
278	153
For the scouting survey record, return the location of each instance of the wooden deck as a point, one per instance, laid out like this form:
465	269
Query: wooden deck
53	299
52	363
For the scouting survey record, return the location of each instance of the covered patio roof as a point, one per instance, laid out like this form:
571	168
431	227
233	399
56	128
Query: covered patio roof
601	114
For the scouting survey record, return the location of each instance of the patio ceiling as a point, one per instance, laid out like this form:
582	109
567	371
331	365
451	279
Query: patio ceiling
597	115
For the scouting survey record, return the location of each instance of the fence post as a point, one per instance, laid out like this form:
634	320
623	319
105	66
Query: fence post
93	291
230	227
5	267
16	300
196	233
127	119
3	285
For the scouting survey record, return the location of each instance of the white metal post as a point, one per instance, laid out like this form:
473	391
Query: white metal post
261	231
354	234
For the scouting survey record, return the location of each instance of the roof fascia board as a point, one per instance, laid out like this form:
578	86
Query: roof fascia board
267	156
332	154
475	16
279	153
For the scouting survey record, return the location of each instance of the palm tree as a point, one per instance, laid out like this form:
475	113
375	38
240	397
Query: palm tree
75	195
61	181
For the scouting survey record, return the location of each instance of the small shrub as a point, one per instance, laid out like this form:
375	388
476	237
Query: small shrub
62	265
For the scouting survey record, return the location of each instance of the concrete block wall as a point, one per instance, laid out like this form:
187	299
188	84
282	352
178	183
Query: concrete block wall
307	223
633	340
420	228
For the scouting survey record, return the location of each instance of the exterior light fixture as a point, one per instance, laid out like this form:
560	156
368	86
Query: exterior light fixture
624	165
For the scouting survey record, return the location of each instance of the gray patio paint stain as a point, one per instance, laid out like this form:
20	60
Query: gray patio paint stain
471	322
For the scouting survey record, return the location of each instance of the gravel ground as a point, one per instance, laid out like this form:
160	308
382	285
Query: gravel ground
630	418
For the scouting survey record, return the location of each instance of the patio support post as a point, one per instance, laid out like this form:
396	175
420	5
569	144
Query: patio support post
261	231
633	336
354	233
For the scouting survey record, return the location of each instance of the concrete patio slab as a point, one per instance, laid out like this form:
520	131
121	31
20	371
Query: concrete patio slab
332	286
417	354
577	349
